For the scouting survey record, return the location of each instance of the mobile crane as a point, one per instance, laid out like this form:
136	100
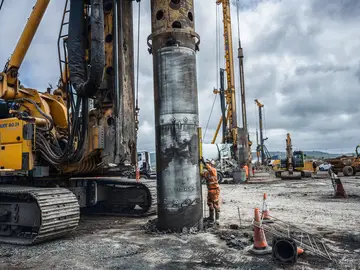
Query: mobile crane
57	153
232	134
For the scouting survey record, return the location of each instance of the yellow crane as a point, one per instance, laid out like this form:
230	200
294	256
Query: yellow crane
231	135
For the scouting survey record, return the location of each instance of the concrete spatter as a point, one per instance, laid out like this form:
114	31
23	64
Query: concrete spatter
183	149
176	121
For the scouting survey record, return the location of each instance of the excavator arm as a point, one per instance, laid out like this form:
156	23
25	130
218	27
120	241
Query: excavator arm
289	154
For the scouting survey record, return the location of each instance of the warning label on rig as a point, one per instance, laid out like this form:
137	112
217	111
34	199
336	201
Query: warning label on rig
14	124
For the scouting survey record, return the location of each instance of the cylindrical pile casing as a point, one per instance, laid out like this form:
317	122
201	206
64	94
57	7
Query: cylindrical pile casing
176	113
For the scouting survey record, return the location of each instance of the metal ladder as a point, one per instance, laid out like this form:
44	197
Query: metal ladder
62	43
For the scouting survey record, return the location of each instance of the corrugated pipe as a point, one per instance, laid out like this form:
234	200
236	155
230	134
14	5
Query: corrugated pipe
84	85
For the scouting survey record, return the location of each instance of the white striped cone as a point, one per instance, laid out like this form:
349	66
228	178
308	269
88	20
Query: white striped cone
265	211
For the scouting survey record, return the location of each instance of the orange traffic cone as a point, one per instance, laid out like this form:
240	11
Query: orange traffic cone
300	251
260	245
265	212
137	174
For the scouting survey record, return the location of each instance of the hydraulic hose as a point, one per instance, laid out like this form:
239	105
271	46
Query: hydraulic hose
86	86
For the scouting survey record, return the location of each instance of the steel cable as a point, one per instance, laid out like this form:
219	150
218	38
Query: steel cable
207	125
138	57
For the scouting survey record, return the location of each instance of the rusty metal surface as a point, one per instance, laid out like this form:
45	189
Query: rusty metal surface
127	93
176	114
118	90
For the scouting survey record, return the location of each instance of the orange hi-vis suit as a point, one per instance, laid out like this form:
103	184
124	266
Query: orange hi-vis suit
246	171
213	189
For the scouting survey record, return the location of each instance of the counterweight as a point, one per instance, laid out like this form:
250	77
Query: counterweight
174	45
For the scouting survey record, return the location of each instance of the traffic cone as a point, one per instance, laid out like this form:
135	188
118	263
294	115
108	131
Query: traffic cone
260	245
265	212
300	251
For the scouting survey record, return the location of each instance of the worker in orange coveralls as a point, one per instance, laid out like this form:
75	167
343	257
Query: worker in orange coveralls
213	190
246	171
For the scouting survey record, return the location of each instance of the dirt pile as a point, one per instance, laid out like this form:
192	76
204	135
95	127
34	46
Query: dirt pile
236	239
151	228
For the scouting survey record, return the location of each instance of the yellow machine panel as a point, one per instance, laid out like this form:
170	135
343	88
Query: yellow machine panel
11	131
308	166
11	156
15	144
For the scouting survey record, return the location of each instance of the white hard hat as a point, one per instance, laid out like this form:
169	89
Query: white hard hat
212	162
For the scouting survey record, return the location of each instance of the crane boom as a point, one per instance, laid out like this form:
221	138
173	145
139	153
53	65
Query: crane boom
229	93
230	78
25	39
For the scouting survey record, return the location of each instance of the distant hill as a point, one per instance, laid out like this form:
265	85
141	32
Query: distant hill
309	154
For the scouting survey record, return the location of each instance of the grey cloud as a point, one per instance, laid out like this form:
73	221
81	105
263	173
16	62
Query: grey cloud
357	72
336	9
285	36
306	52
315	68
250	4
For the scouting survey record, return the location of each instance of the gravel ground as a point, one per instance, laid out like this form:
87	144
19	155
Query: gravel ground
122	243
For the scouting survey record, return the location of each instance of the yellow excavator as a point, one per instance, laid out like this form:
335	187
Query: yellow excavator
73	147
293	166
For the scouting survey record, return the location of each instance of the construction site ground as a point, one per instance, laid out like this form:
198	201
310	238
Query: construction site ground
122	243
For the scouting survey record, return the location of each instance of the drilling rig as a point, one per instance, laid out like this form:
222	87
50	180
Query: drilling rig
232	134
261	149
73	147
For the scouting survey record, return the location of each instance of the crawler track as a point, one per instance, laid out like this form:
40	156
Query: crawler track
125	197
31	215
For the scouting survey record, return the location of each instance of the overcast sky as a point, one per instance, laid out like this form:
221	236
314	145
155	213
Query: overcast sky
302	61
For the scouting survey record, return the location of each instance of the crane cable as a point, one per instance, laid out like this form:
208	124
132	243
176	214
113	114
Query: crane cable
137	172
2	2
238	21
217	48
138	60
217	68
207	124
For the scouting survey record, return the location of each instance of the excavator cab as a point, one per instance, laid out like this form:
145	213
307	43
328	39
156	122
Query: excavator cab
298	160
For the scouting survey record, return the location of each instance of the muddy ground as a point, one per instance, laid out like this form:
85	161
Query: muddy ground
122	243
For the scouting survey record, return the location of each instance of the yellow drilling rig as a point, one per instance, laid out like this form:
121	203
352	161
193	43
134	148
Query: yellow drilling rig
232	134
73	147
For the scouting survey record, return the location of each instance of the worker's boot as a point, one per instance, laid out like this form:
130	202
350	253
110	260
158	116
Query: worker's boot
211	215
217	217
